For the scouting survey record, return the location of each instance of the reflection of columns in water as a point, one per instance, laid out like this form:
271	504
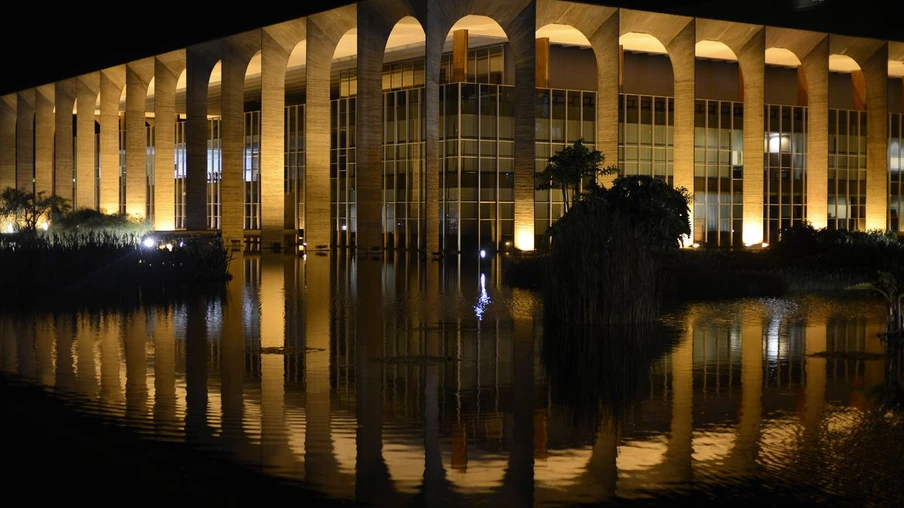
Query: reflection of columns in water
25	341
680	447
164	369
110	358
747	441
8	346
136	365
372	476
601	477
232	354
65	372
519	476
815	371
434	474
320	465
45	341
86	367
274	438
874	370
196	348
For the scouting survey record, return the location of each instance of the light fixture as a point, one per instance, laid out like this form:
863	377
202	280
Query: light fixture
148	242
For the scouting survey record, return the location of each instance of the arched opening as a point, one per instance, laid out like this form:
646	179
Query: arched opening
251	160
847	145
149	151
566	107
295	140
784	143
718	146
343	104
404	131
477	136
895	143
180	150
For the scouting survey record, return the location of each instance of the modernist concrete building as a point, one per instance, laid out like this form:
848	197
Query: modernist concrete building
419	124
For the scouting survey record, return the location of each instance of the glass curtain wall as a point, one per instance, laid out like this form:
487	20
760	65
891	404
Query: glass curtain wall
150	171
181	170
214	172
847	170
251	170
785	163
122	164
294	146
477	131
403	163
342	171
562	117
646	136
718	173
895	167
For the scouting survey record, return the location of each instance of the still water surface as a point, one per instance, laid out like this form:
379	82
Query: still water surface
428	382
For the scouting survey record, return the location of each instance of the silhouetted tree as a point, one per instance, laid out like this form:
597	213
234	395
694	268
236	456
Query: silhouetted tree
25	209
573	168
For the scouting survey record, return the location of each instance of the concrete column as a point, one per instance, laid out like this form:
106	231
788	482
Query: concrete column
8	106
167	69
876	71
63	154
86	157
318	229
44	139
752	65
522	37
816	67
542	62
111	84
276	46
237	52
608	57
138	77
372	36
459	56
25	140
435	31
682	55
199	61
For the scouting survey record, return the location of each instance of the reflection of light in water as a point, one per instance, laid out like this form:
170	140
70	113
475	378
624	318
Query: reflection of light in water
484	299
772	339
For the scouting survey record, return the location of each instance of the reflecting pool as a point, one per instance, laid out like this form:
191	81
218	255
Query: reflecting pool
395	381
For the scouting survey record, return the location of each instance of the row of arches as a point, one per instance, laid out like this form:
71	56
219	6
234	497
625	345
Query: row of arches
227	78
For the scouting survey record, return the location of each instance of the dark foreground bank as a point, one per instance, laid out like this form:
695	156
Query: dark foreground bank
54	454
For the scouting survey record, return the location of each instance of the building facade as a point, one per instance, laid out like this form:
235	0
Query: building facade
421	124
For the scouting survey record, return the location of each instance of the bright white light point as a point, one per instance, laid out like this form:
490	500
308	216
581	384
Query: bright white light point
148	242
483	254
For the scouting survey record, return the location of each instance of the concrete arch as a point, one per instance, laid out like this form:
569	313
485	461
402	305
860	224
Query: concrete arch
169	68
25	136
600	26
63	155
238	51
200	61
112	86
678	35
872	57
44	138
322	34
8	105
518	20
139	75
87	95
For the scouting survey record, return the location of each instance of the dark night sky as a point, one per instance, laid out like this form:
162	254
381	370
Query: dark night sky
66	52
